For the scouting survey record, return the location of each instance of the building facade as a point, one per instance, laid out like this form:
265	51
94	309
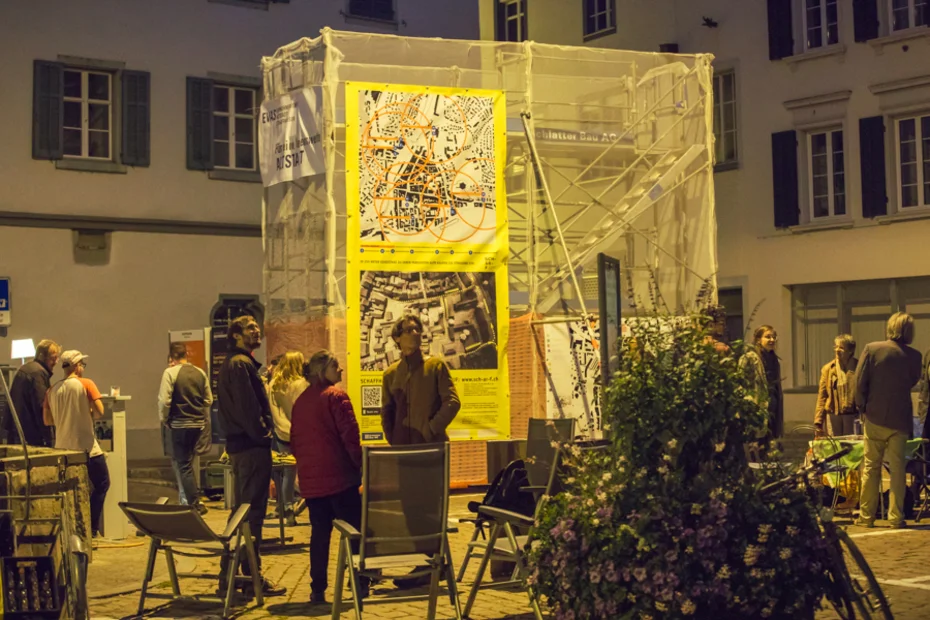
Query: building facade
822	124
130	197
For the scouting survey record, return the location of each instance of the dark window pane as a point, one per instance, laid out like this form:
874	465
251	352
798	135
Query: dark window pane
729	87
72	142
909	196
820	185
900	15
821	206
244	156
99	116
833	34
906	129
512	34
244	101
98	86
909	151
729	116
590	24
72	84
221	99
220	127
909	174
602	22
602	6
72	111
244	129
839	204
729	146
819	144
221	153
511	9
814	37
98	143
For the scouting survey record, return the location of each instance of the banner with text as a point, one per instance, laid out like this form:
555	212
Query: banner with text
427	234
289	136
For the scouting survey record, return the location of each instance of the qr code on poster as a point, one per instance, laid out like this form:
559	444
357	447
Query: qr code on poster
371	398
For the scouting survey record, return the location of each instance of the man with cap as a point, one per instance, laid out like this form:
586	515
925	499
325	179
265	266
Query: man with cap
71	406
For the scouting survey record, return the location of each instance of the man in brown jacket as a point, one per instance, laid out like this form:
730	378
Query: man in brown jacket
418	398
887	371
418	402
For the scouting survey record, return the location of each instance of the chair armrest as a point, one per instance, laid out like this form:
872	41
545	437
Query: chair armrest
236	521
499	514
533	489
161	500
345	529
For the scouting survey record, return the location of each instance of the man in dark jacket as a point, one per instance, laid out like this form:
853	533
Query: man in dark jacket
28	391
887	371
245	416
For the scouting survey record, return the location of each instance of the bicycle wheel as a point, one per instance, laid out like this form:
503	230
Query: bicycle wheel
842	595
869	596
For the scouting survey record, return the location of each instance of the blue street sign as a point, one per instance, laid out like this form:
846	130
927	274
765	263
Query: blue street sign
4	302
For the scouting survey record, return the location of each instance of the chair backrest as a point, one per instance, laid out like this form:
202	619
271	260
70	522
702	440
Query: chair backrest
540	455
171	522
561	469
405	499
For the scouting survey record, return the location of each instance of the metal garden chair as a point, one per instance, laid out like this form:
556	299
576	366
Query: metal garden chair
405	511
171	526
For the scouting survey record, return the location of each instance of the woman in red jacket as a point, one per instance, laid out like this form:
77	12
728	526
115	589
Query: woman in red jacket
325	442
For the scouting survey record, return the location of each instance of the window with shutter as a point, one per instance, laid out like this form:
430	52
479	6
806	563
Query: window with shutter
865	20
904	14
872	166
826	166
234	114
785	178
136	102
725	120
47	110
912	141
199	124
781	38
821	23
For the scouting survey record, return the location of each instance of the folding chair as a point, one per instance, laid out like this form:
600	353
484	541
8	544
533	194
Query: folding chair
405	511
512	547
171	526
539	458
923	488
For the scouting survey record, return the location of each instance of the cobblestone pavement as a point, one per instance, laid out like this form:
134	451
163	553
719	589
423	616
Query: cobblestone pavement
897	557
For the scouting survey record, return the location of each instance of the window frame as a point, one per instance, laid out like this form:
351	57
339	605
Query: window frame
611	16
232	114
921	160
824	25
86	101
521	17
829	133
726	164
911	15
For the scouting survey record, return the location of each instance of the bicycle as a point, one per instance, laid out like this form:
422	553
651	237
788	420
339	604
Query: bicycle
855	593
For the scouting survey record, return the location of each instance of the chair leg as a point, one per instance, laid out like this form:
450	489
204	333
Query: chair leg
479	529
340	578
523	572
438	565
353	579
149	569
492	540
231	571
172	572
453	586
253	563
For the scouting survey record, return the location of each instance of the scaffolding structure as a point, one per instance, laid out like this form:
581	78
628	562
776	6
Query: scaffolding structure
607	151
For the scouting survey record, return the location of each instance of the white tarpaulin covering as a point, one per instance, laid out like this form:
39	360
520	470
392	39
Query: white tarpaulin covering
289	142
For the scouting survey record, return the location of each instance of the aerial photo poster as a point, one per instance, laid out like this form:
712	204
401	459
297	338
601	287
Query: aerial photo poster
427	234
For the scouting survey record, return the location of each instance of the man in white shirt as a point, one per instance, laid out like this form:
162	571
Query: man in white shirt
71	406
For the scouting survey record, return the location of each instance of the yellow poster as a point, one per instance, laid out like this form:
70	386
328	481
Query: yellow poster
427	235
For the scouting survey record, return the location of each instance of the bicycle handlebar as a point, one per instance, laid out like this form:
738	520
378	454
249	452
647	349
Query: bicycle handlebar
815	465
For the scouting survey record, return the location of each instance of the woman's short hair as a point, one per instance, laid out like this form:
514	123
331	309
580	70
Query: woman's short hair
901	328
846	341
316	367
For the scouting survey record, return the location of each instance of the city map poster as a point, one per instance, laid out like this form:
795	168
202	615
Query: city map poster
427	235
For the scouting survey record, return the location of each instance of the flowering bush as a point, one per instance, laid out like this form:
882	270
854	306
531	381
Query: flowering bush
668	522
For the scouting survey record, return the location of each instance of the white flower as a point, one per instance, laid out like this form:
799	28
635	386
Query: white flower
724	572
535	544
672	443
785	553
622	459
576	451
554	444
662	469
570	480
667	457
607	476
595	521
792	530
720	446
660	606
590	502
695	509
687	607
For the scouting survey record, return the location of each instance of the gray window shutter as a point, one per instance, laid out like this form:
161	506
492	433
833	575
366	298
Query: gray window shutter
136	132
785	178
47	109
781	38
199	124
865	20
872	166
